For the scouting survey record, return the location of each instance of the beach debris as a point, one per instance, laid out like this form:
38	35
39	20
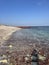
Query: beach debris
26	58
4	56
10	46
42	57
28	55
3	61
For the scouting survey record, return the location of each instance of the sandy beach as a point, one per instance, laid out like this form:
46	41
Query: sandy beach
6	31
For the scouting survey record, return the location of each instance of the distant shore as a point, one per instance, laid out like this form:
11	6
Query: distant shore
24	27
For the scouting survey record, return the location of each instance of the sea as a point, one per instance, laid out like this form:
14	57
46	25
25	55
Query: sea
33	34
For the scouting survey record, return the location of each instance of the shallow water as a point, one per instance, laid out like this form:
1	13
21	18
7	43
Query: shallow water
40	34
28	38
24	39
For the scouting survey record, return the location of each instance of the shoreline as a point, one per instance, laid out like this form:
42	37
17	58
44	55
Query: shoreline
6	31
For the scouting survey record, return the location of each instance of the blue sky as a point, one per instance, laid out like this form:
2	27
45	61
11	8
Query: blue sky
24	12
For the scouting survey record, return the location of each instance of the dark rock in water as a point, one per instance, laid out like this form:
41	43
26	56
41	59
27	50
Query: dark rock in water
34	57
34	63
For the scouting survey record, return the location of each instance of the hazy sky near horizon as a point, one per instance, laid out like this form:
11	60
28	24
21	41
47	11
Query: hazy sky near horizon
24	12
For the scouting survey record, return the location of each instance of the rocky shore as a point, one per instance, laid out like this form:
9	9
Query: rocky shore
16	50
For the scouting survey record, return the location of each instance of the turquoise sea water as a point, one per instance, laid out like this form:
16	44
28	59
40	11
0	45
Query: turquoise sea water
40	34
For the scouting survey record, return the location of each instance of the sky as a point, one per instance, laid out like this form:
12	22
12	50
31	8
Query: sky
24	12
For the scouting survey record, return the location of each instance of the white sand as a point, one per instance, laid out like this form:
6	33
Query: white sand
6	31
